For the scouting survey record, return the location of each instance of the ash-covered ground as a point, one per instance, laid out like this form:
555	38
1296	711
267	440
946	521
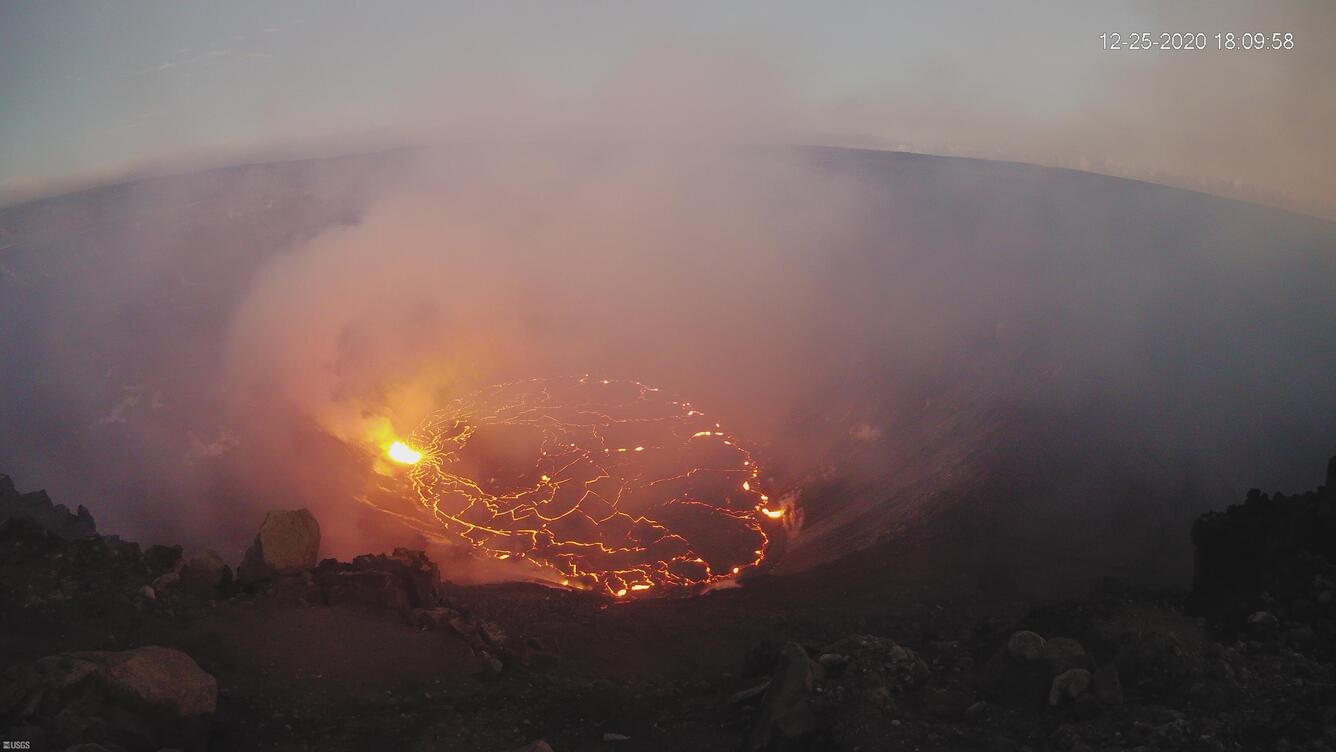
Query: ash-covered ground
109	646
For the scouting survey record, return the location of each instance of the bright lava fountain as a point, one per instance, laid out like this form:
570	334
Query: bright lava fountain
607	484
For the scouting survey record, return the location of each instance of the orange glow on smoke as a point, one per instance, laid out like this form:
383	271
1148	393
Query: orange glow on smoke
608	485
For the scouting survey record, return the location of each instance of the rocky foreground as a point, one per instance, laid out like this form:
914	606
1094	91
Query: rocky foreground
109	646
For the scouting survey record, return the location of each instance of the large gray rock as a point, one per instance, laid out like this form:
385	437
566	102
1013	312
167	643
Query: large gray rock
146	698
160	679
288	543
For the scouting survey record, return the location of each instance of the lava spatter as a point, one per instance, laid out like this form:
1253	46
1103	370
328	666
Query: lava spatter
608	484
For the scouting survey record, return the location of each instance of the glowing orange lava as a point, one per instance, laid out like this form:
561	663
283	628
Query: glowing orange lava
608	484
403	453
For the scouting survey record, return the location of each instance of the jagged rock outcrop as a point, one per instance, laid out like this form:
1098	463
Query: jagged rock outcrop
1137	670
37	506
147	698
288	542
39	569
404	580
1275	553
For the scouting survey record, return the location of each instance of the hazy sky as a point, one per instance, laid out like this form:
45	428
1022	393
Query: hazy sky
90	88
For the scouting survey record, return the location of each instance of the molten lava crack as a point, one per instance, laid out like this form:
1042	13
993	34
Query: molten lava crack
611	484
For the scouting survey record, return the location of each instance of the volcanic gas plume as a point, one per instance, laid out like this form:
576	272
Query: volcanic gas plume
609	485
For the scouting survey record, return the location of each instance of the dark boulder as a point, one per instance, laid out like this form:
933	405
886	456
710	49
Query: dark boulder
402	581
787	720
1063	654
148	698
419	575
1262	625
206	575
1025	646
1017	673
374	588
1068	686
162	558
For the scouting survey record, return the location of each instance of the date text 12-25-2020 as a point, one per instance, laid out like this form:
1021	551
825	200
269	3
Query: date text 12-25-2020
1225	41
